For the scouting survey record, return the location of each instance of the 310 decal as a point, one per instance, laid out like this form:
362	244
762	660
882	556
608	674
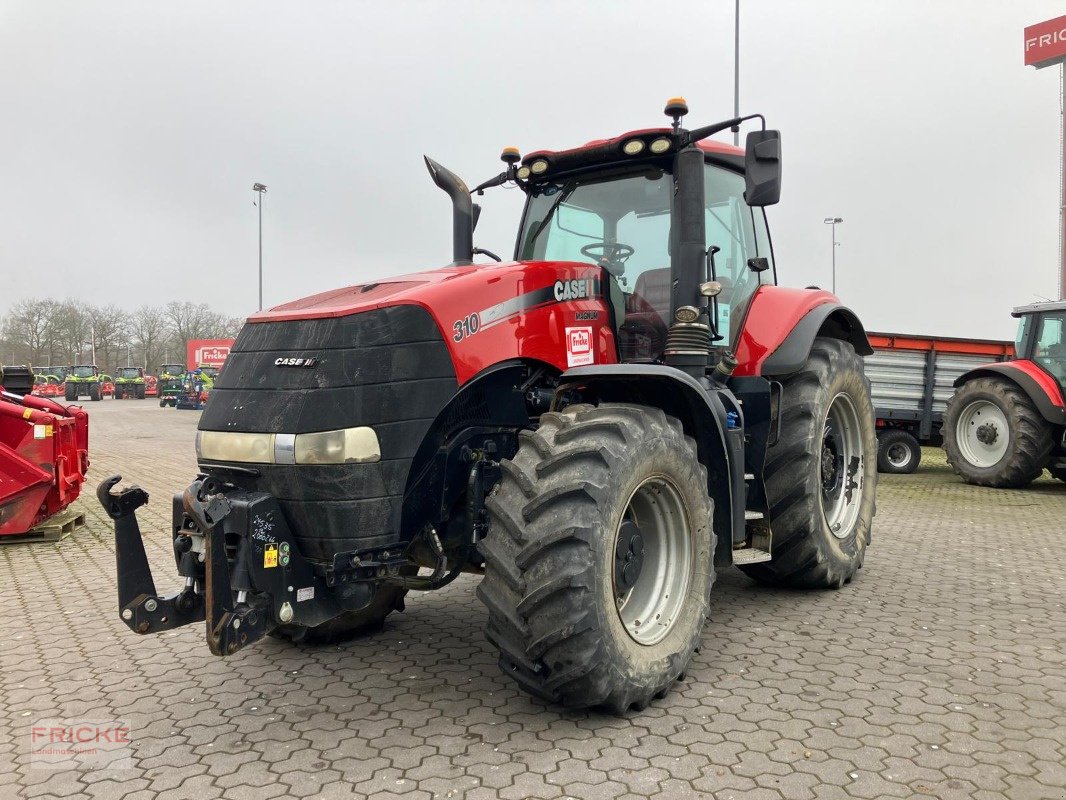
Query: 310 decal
467	326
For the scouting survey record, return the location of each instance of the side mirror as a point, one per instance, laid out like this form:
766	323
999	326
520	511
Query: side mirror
762	168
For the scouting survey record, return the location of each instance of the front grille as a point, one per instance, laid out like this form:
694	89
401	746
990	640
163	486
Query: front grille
388	369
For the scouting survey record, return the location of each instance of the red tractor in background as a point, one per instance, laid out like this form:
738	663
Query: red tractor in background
1006	422
594	427
44	453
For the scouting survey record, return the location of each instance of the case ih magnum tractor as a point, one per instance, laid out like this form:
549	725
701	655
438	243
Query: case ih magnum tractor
1006	422
593	427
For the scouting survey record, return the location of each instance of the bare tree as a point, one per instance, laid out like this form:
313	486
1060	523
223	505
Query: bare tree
27	324
149	329
111	333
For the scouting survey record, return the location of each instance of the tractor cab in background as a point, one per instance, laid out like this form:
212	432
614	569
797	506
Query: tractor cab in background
1006	422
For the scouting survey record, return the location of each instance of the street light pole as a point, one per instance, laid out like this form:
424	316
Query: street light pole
834	221
261	190
736	71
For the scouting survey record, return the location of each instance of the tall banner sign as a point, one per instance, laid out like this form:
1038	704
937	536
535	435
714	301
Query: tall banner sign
210	352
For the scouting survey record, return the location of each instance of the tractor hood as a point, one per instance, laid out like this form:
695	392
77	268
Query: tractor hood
477	309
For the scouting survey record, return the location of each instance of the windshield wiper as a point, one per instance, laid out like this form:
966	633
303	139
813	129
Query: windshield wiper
564	193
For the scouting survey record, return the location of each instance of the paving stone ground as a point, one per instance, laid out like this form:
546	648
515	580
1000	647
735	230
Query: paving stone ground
939	672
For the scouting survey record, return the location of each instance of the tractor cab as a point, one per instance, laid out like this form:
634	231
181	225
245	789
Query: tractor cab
84	372
1042	337
622	219
171	371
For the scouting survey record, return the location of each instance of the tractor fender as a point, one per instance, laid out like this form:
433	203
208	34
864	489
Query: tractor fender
1037	385
780	325
829	319
702	410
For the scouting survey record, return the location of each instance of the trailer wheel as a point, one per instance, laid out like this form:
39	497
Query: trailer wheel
994	435
598	559
898	452
94	391
821	473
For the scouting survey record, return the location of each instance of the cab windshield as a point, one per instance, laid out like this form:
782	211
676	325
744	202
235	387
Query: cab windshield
129	372
622	222
83	372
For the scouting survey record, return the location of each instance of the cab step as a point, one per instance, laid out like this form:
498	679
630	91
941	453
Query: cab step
750	555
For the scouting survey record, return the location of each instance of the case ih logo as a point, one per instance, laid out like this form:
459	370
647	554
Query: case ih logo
212	352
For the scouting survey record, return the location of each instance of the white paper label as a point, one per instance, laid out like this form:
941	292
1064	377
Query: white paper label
579	350
307	593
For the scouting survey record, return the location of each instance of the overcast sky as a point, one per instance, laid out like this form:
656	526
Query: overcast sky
131	134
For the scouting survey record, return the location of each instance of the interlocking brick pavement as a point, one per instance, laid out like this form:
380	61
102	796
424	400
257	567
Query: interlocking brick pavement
938	672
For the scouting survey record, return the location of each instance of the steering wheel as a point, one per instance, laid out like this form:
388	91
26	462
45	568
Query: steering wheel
611	256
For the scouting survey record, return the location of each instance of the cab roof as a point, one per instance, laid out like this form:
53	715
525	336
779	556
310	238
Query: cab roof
606	151
1037	308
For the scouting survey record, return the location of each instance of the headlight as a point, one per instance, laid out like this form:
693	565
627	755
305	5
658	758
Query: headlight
523	172
660	146
351	445
633	147
539	167
345	446
256	448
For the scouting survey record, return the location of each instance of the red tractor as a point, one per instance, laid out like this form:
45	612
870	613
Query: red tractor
1006	422
594	427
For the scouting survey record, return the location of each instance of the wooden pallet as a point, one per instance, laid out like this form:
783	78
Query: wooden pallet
54	529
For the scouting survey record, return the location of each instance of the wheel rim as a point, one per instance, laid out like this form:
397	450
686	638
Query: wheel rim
652	561
842	459
982	433
898	455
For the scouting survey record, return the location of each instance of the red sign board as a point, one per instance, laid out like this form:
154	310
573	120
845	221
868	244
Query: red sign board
212	352
1045	43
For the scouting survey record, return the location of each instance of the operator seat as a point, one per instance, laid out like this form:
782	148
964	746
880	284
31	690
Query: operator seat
642	335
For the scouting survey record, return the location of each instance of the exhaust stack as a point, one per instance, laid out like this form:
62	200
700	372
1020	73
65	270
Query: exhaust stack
462	212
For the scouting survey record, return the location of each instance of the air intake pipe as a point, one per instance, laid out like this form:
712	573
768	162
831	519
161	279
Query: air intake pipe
462	212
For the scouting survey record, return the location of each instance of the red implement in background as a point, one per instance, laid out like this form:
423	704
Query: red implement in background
151	386
44	455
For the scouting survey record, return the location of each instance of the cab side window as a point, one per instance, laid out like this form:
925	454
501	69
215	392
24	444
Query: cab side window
740	235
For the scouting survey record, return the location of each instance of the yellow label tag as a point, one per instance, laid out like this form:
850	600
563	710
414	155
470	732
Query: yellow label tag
270	555
27	413
48	430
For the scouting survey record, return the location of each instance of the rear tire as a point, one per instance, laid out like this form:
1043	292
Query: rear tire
994	435
821	474
70	391
598	560
898	452
118	393
140	392
94	391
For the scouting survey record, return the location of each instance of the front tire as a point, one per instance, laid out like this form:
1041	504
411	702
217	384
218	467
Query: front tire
821	473
994	435
898	452
598	560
